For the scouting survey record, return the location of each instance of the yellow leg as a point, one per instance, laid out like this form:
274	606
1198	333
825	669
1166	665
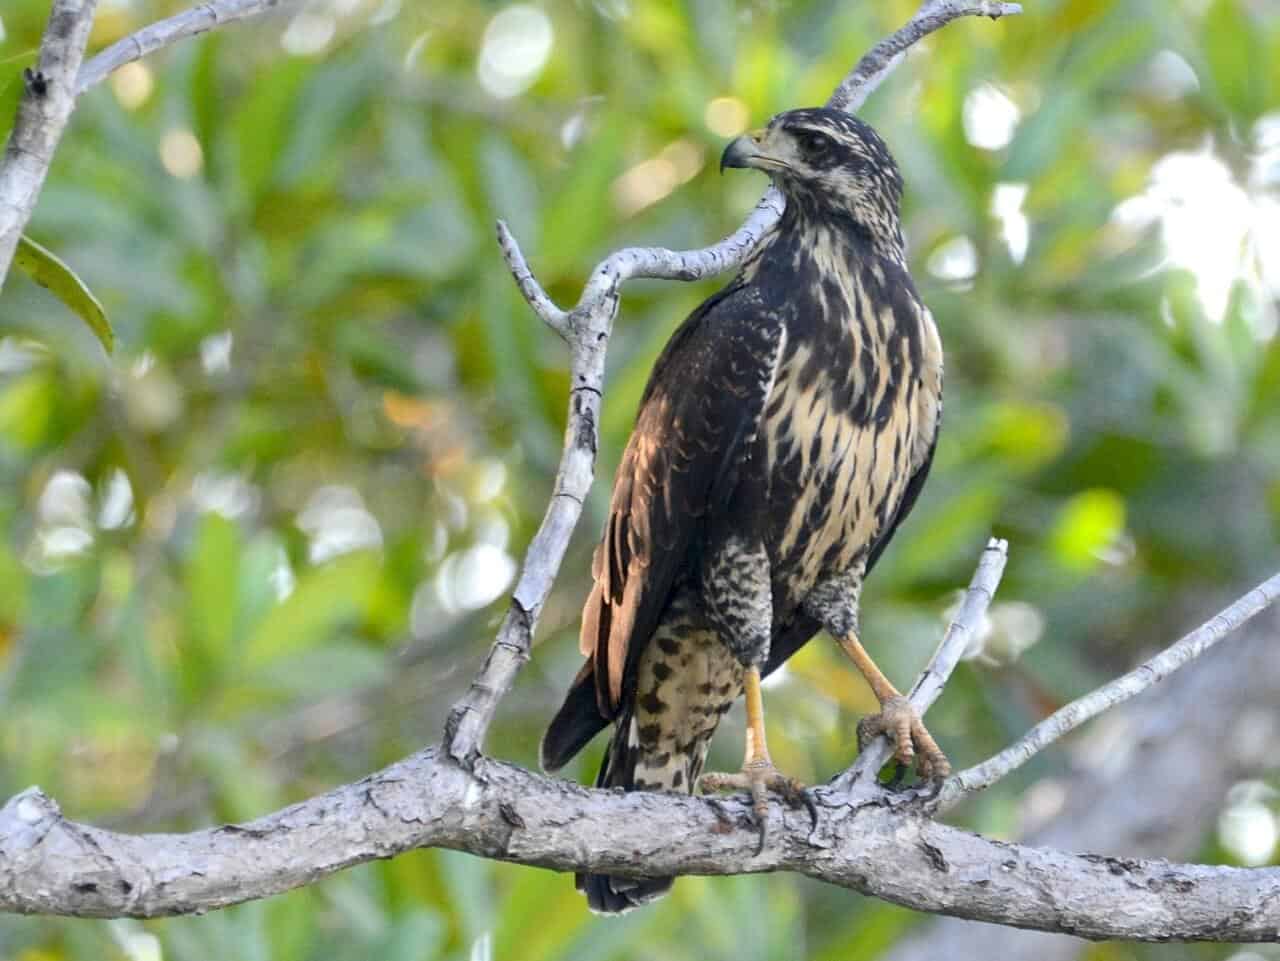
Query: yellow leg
881	686
757	747
897	718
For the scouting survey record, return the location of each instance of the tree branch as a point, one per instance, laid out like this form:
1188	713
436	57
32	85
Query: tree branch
43	112
1146	782
162	33
880	60
52	865
1071	716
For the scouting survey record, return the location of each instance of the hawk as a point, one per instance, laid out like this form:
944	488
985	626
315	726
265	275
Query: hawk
785	432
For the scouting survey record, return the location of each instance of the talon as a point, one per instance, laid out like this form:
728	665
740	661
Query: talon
900	721
759	778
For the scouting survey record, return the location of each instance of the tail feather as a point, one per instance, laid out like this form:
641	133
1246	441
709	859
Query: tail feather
613	895
610	894
577	722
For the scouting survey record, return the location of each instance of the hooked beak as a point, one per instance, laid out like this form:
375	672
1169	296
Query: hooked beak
745	152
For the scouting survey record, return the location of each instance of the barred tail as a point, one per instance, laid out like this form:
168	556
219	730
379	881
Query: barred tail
607	894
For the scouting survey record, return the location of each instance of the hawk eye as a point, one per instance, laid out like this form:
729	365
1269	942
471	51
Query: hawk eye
815	145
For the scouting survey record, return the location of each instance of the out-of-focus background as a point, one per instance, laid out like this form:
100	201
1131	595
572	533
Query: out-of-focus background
260	549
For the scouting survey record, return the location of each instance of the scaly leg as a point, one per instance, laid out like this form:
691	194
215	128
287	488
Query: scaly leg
897	718
758	775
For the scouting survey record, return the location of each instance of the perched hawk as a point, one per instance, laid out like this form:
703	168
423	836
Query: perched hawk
785	432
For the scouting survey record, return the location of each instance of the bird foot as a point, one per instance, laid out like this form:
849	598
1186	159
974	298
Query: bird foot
912	741
758	778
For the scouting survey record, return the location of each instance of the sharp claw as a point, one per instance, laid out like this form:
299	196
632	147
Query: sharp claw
812	807
758	779
911	740
760	809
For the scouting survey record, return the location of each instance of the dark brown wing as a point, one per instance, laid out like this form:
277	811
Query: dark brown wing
697	421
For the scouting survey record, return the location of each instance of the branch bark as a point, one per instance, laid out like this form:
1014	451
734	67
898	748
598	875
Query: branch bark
43	113
1068	718
163	33
496	810
1146	782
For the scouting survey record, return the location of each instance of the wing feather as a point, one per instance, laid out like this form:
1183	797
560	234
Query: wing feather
703	404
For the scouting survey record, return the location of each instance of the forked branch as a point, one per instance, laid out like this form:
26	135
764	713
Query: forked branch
1071	716
43	113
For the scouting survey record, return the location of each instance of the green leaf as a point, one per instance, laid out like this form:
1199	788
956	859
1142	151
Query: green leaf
263	124
211	575
1233	47
324	599
28	406
1087	524
49	272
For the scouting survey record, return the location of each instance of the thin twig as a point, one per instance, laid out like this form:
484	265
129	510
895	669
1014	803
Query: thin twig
163	33
973	608
884	56
537	298
1071	716
43	113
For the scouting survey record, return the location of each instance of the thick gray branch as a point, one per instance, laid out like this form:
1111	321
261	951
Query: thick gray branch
43	112
1145	782
51	865
162	33
1070	717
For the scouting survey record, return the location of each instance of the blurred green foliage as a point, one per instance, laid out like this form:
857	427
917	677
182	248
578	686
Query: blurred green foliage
259	549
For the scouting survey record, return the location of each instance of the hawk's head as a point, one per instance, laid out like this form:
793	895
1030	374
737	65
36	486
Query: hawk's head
826	160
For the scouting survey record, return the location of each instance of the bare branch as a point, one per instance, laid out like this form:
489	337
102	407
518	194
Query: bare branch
1070	717
470	718
881	59
587	329
162	33
1146	782
43	112
937	672
530	289
54	866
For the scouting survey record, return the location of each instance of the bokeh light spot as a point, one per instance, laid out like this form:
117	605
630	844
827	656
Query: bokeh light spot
132	85
726	116
516	45
1205	219
955	260
654	179
1247	826
990	117
308	33
181	154
1015	229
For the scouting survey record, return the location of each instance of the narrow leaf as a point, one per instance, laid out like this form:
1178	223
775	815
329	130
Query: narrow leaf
53	274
